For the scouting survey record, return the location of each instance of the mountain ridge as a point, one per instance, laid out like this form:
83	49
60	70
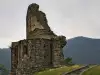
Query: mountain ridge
83	50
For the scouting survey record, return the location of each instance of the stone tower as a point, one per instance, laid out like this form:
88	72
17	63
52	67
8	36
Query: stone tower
37	24
41	49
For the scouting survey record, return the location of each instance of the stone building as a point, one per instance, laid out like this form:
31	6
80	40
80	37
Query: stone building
41	49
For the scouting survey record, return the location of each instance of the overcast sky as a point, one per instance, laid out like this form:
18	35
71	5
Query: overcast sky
70	18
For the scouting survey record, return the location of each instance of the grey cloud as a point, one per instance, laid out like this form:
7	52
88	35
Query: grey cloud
68	17
80	17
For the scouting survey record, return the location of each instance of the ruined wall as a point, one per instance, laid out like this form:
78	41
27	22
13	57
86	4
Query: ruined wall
36	19
14	57
37	54
58	43
41	49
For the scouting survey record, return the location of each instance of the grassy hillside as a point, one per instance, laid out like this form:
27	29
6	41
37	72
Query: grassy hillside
58	71
93	71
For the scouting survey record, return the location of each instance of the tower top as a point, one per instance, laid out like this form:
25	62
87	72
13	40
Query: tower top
33	6
36	23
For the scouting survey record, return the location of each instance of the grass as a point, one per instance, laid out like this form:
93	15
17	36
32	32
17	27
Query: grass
58	71
93	71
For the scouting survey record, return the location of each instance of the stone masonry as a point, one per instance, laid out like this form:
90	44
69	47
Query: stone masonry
41	49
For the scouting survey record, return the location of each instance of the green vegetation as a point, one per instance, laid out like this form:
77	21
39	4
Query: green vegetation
3	70
68	61
93	71
58	71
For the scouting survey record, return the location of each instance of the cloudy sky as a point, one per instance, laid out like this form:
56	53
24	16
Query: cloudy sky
65	17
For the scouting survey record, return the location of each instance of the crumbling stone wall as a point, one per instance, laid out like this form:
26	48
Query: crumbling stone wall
41	49
58	57
14	57
37	54
36	19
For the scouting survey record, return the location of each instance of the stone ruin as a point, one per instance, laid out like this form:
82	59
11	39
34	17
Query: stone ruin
41	49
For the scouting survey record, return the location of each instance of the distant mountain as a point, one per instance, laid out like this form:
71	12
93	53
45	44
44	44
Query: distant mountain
5	57
83	50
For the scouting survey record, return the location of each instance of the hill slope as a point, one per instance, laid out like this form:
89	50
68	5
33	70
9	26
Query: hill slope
83	50
5	57
93	71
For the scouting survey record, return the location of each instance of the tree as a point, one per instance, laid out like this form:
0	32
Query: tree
68	61
3	70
